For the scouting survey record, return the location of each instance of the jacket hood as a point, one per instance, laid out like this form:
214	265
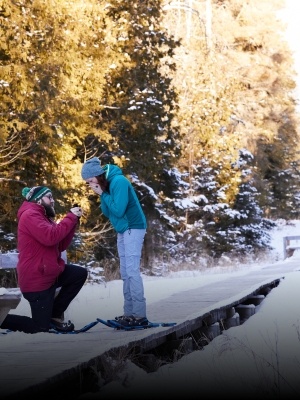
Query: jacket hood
111	171
26	205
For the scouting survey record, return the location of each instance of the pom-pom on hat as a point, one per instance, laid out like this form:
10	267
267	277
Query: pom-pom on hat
35	193
92	168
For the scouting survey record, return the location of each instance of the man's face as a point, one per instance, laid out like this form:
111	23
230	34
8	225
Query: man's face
48	202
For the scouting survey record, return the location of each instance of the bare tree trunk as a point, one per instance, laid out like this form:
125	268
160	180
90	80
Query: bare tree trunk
208	24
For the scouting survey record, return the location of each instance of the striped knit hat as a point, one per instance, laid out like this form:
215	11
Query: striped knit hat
35	193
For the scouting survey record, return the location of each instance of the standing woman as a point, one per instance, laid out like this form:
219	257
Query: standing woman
119	203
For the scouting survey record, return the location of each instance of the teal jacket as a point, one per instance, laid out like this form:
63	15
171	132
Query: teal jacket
121	205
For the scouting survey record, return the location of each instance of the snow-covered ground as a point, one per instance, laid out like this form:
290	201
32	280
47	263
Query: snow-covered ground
260	357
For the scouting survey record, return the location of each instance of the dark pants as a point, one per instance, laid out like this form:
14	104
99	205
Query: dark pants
44	305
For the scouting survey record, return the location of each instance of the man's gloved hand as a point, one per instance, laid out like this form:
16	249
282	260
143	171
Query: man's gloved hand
96	188
76	210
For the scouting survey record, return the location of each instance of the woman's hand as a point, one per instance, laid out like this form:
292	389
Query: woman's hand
96	188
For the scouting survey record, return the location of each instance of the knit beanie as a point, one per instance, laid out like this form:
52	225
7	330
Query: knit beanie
35	193
92	168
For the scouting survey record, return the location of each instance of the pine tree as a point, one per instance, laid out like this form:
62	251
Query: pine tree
139	104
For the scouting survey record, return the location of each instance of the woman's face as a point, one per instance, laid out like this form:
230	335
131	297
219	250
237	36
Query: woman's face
91	180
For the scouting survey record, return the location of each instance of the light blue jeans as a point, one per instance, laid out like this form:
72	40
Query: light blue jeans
130	245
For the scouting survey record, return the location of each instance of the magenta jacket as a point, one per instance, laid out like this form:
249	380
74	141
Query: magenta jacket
40	243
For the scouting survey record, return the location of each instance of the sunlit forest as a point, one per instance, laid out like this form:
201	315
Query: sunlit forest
194	100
